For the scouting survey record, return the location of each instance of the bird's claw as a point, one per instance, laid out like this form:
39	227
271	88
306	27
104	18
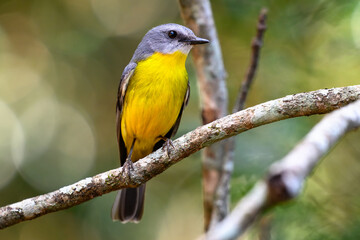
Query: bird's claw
166	146
127	168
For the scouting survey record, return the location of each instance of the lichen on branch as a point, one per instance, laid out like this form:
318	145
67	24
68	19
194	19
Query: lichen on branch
301	104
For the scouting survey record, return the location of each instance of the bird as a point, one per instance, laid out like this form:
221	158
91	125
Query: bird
152	94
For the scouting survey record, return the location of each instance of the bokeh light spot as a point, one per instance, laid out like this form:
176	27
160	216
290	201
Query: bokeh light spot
17	79
39	122
125	17
70	154
11	143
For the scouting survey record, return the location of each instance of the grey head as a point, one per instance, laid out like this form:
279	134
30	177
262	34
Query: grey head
167	39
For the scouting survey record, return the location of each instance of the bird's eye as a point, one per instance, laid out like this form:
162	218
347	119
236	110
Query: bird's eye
172	34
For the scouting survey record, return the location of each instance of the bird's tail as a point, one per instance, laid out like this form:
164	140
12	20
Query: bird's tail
129	205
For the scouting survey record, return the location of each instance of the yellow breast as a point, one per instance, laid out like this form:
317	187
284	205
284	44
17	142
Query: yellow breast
153	100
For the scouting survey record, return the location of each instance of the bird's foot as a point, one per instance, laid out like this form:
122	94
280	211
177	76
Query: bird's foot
127	168
166	146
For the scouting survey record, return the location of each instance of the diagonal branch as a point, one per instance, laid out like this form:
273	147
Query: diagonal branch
285	178
302	104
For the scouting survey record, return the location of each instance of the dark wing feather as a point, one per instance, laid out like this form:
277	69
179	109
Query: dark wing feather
175	127
124	82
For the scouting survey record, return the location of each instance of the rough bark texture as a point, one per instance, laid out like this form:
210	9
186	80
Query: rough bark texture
211	74
302	104
285	178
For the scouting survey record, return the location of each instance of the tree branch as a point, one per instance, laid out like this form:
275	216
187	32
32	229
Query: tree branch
211	74
221	202
256	45
286	177
302	104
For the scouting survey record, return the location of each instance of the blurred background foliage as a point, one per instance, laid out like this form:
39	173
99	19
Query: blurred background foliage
60	64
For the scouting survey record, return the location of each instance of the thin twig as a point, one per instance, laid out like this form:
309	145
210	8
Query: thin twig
301	104
285	178
265	228
211	74
221	202
256	45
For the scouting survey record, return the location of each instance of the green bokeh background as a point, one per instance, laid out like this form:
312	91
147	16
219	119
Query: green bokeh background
60	64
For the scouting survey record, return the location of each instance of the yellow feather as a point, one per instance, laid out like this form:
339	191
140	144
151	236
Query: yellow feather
153	101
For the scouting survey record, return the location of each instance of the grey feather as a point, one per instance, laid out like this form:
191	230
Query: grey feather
157	40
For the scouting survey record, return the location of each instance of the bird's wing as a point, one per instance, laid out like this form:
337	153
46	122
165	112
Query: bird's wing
124	82
175	127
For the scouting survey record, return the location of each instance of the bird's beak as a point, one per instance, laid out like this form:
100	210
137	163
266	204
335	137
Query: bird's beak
195	41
